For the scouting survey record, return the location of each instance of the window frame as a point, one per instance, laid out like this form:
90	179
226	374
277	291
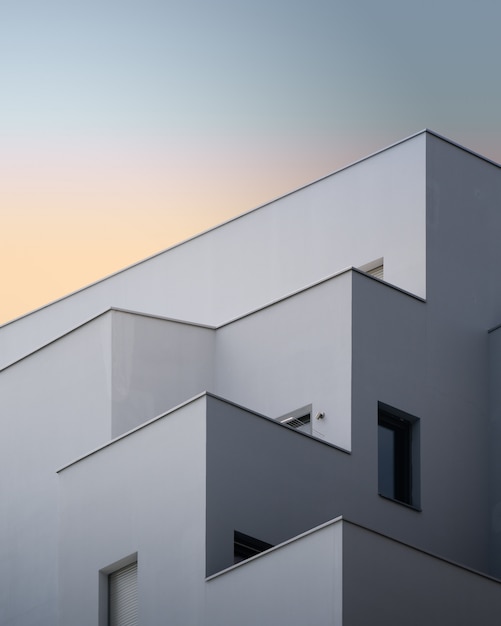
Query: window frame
406	456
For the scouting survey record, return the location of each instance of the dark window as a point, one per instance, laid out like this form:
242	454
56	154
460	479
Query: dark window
398	456
244	547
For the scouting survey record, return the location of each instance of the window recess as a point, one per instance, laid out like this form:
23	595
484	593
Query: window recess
245	546
398	456
122	596
374	268
378	272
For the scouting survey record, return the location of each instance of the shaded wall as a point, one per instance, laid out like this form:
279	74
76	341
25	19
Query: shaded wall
385	582
494	338
265	480
157	364
395	349
464	302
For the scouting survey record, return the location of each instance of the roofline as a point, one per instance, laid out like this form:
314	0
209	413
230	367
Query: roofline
245	213
461	147
202	395
163	318
114	440
317	283
341	519
110	309
233	320
51	341
310	531
415	548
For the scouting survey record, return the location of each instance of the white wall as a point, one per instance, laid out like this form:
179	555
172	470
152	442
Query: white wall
144	493
373	209
157	364
297	583
292	354
55	405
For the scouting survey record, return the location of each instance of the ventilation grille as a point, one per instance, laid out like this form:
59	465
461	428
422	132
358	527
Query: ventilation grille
296	422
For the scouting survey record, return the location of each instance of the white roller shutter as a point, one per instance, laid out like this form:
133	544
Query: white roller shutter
123	596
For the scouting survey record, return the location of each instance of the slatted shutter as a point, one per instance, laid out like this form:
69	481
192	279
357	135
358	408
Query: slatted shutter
377	272
123	596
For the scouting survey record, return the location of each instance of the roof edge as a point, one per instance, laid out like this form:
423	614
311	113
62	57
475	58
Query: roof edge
248	212
110	309
202	395
51	341
233	320
461	147
110	442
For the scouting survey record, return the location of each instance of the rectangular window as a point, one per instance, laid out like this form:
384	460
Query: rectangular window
398	455
122	596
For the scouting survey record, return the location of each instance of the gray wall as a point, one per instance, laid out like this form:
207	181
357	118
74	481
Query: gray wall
265	480
395	349
463	228
273	483
464	301
385	582
257	467
495	451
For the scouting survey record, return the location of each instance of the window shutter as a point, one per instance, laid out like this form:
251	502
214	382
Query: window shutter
378	272
123	596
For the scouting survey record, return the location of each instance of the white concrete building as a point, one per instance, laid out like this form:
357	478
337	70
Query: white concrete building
293	418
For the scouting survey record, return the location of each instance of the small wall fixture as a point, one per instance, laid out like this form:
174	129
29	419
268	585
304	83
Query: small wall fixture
320	415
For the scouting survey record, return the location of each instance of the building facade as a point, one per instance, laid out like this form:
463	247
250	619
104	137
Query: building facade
292	418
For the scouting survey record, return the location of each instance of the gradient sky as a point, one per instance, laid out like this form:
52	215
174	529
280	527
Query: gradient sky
126	126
